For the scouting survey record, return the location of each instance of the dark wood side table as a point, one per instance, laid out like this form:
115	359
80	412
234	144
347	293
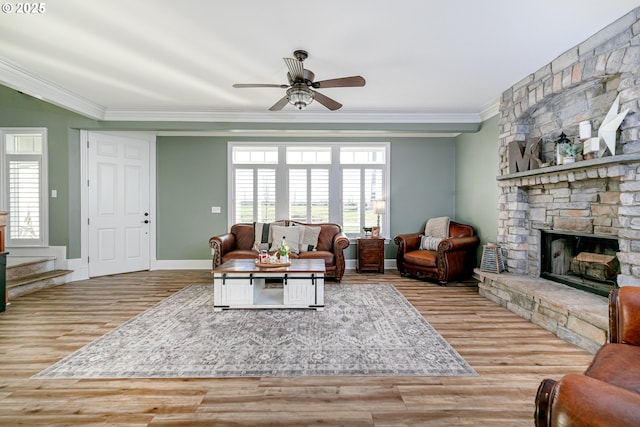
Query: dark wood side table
370	254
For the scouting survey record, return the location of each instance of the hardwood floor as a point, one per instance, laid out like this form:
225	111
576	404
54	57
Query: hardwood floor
510	355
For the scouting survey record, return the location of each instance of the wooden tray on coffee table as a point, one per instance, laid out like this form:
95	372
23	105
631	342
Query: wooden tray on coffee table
272	264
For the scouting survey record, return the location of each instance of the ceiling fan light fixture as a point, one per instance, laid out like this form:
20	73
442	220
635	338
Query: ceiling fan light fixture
300	96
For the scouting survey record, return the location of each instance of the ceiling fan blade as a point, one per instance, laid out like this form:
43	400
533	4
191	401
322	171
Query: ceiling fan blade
280	104
326	101
352	81
296	69
244	85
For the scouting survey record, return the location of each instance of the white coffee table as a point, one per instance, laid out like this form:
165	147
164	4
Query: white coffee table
242	284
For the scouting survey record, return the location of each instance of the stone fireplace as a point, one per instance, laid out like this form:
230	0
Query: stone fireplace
595	198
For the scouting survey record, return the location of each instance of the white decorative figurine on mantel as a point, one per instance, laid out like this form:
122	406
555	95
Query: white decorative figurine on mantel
609	127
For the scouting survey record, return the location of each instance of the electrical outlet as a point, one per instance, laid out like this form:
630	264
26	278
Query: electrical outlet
215	209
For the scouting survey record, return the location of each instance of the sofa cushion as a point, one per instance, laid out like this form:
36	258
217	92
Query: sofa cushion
617	364
263	234
308	237
422	258
430	243
290	234
328	257
437	227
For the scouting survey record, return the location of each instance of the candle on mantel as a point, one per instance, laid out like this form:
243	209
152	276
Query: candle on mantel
585	130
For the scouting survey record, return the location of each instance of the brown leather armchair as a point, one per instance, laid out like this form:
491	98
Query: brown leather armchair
608	393
455	257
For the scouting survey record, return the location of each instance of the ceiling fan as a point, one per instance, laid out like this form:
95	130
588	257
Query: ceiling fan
300	91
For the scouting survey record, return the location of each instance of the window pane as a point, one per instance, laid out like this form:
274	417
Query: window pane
266	195
24	199
256	155
244	195
362	155
319	195
24	144
372	191
309	195
298	194
308	155
351	191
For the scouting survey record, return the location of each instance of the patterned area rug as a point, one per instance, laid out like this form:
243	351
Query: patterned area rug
365	330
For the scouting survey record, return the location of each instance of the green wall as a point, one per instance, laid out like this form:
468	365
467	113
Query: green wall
192	177
429	176
476	197
20	110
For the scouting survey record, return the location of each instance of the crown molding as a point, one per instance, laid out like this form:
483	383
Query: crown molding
490	109
262	133
208	115
21	80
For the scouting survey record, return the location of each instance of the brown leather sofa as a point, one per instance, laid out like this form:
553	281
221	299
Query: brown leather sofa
608	393
455	257
239	242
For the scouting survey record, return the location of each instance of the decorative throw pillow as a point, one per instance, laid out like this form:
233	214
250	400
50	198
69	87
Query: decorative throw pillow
430	243
308	238
437	227
263	235
290	234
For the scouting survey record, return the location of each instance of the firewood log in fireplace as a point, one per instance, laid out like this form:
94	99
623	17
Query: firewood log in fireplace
595	266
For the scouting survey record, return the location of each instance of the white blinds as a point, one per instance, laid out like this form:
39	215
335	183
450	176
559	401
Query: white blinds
24	199
309	183
309	195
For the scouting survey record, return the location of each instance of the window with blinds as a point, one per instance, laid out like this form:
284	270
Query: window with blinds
309	183
25	186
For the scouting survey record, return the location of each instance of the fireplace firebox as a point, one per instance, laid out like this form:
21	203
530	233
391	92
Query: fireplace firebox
583	261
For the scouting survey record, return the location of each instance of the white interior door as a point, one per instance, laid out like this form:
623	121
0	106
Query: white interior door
119	207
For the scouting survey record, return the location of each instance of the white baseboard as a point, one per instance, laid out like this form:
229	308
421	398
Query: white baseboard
80	269
181	264
351	264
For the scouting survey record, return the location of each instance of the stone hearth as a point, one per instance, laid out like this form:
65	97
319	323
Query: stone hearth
596	197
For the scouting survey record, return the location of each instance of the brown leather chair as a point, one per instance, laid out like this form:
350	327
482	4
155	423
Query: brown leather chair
455	257
608	393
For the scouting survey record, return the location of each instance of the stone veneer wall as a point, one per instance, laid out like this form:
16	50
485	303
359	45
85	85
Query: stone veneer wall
600	196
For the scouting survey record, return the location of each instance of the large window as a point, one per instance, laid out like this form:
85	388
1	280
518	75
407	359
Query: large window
309	183
24	185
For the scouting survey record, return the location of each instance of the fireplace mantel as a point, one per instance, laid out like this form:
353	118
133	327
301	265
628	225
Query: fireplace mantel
584	164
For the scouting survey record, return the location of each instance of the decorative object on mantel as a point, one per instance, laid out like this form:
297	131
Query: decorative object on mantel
590	146
561	142
609	127
520	161
568	152
492	259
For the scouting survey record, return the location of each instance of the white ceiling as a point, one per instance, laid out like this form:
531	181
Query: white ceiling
423	60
